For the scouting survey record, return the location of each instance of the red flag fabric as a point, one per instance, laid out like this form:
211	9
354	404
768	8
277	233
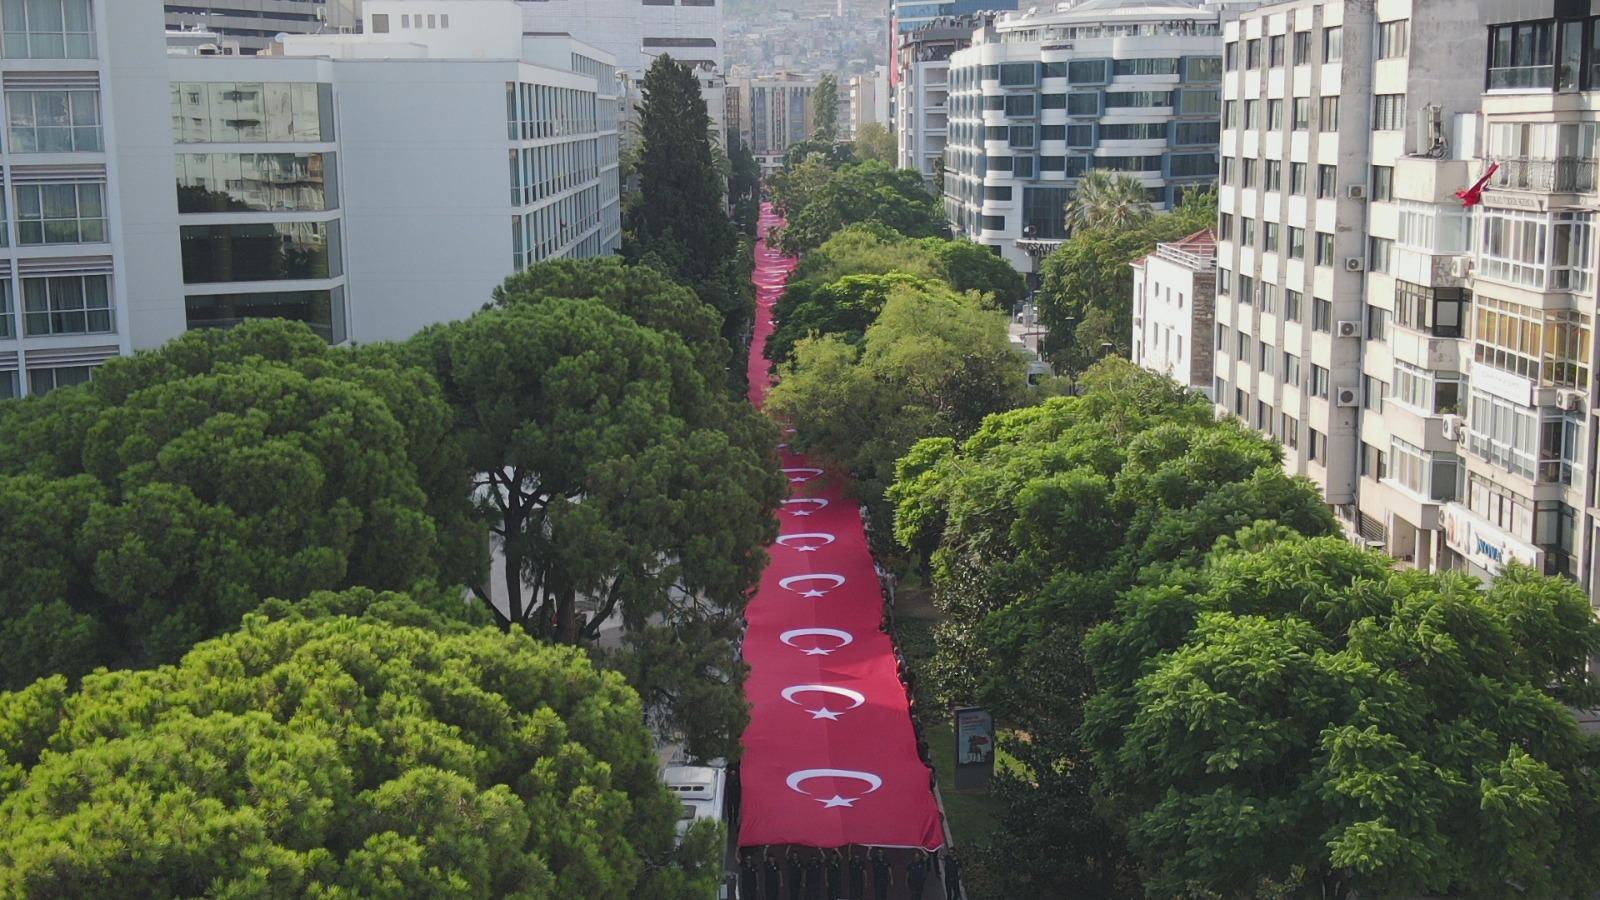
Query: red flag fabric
830	757
1472	196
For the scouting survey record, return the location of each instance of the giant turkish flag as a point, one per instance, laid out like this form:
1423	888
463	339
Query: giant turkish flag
829	757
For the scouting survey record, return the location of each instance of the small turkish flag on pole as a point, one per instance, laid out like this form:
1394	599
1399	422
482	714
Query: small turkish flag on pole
1472	196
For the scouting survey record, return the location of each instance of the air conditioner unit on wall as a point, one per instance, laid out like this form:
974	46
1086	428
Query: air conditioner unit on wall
1348	329
1354	264
1460	267
1355	191
1453	429
1571	401
1346	397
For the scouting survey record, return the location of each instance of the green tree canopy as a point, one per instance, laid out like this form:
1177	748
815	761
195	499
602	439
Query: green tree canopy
678	220
933	363
340	757
864	192
1085	299
1301	714
846	307
1107	199
608	470
744	185
151	508
825	110
876	142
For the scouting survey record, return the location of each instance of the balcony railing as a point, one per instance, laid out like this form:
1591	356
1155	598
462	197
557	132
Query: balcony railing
1568	175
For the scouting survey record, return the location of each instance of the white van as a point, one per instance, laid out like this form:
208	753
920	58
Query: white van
702	791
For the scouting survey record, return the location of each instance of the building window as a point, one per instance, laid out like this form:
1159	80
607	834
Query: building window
1434	229
1378	323
1200	103
1230	114
1022	137
1319	381
43	381
1302	48
1503	434
1291	431
1291	305
1275	48
260	251
288	182
1321	315
1324	255
1087	71
1374	464
1379	253
1394	39
1224	282
1302	113
1252	54
47	29
7	329
1389	112
71	304
1264	356
1154	65
1297	179
1297	243
1291	370
1522	56
1225	227
1548	347
1332	44
222	112
1330	115
1052	101
1192	165
1432	392
1136	131
1020	105
54	121
1274	115
61	213
1436	311
1249	172
1383	183
1024	74
1327	182
1269	292
1083	103
1269	237
380	23
322	310
1247	231
1246	296
1252	111
1230	56
1137	99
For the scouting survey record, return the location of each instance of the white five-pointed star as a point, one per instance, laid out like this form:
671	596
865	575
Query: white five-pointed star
806	549
818	651
824	713
837	800
797	480
800	512
815	593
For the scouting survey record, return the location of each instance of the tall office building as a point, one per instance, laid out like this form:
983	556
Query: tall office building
635	32
86	162
771	112
906	16
1040	99
1427	364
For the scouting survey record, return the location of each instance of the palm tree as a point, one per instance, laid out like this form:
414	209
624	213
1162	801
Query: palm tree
1108	199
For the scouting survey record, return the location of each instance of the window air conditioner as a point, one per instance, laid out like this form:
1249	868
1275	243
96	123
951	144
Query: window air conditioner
1348	329
1570	401
1354	264
1460	267
1346	397
1355	192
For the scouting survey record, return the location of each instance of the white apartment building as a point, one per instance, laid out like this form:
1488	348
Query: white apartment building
85	238
1041	98
290	170
635	32
1344	310
253	24
868	101
1174	297
922	91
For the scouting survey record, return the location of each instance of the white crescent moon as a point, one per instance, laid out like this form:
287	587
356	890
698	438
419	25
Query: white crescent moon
796	779
820	502
845	637
822	536
789	583
790	692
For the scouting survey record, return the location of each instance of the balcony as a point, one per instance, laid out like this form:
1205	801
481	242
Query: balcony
1569	175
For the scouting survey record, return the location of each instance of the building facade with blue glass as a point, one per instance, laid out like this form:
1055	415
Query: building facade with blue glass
1041	99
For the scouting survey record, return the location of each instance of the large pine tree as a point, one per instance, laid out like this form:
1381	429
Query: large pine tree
679	221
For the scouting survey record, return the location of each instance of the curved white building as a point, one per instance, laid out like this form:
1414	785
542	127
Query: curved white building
1041	98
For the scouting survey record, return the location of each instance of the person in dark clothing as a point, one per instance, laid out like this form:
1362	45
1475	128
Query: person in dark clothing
917	874
797	874
835	866
747	875
952	876
814	877
858	876
774	876
882	875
